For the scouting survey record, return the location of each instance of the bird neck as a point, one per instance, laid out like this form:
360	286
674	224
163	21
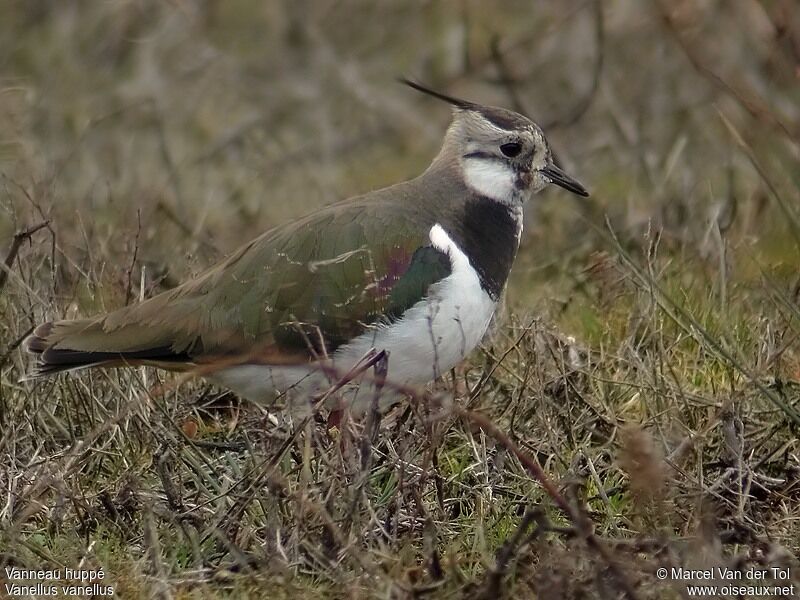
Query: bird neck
485	229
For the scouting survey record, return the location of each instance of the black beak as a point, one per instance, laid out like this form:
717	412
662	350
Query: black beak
557	176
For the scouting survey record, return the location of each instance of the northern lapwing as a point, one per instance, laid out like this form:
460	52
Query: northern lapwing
415	269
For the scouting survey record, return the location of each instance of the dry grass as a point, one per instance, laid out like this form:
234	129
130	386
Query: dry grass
637	407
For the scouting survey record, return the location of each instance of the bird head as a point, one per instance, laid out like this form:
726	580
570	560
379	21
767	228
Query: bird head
502	154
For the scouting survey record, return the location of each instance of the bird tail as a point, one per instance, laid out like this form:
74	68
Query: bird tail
72	345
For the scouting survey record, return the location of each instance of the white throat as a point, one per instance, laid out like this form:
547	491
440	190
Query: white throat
491	178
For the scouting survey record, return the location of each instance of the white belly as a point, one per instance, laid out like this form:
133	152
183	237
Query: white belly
432	337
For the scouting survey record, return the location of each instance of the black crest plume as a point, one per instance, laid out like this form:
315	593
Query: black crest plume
504	119
457	102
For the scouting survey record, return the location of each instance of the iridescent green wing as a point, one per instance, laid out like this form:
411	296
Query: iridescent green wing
331	278
292	293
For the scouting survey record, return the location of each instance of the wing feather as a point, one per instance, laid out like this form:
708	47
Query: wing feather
296	291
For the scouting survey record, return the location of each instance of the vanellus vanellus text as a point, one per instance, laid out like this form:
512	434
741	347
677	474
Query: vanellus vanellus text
415	269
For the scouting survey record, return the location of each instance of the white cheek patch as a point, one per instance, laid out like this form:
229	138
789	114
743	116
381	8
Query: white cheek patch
490	178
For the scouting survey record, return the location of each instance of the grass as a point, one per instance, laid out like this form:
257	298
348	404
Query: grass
635	406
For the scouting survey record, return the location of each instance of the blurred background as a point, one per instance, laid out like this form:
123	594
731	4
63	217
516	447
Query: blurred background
187	127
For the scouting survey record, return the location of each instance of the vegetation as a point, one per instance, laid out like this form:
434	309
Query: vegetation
636	407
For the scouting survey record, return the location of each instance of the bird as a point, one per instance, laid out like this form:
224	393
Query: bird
415	270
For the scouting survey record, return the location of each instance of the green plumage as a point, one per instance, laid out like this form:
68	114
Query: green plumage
293	292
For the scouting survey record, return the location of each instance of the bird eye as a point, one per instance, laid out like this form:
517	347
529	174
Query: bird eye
511	149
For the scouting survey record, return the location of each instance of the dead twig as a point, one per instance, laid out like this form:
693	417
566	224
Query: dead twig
14	345
162	459
16	244
374	417
129	277
494	579
581	522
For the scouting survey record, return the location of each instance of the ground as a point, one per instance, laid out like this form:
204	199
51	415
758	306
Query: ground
635	407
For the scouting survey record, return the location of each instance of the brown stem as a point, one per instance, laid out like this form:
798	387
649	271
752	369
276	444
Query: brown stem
581	522
16	243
